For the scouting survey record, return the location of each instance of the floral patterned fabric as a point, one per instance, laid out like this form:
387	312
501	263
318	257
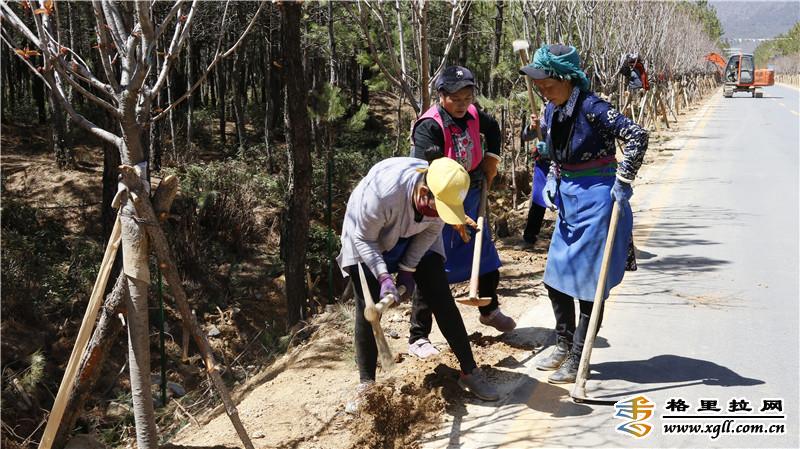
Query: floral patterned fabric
588	127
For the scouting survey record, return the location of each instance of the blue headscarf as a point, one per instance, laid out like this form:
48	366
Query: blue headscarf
567	66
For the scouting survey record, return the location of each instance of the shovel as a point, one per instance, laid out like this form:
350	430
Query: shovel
473	299
373	312
521	47
579	390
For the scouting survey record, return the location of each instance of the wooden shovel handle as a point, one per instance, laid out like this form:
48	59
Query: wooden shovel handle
579	391
523	57
476	253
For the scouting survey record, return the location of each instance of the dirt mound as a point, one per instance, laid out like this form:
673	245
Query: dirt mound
396	415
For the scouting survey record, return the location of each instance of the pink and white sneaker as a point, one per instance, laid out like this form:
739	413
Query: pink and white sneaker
423	348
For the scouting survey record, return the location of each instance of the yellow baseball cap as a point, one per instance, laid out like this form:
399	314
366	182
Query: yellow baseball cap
449	182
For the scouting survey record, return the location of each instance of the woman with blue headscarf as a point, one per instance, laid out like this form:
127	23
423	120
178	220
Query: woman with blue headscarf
585	178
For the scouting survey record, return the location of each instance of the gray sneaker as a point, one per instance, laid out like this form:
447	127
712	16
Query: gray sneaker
498	320
476	383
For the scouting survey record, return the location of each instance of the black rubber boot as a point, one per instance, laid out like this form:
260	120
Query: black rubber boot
568	371
554	360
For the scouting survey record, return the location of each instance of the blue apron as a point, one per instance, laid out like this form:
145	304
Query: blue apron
537	186
576	249
459	254
394	256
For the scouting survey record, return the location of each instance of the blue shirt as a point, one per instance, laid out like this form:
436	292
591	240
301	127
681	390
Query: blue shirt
585	128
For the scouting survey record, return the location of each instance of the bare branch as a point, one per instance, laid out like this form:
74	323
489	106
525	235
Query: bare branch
218	57
74	115
18	25
103	44
178	39
456	18
172	12
116	26
147	30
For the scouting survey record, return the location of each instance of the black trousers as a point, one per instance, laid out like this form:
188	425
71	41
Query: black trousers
421	319
564	311
534	222
431	281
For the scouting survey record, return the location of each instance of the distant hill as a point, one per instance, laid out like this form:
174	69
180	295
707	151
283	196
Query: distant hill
755	19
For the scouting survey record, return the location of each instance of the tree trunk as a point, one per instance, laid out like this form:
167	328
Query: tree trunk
268	103
240	98
295	218
425	64
61	150
190	64
498	37
221	100
38	95
332	43
463	47
146	212
171	117
135	256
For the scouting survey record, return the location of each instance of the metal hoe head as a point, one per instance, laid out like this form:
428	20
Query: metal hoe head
520	44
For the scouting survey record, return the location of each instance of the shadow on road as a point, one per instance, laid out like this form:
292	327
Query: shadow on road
516	389
670	369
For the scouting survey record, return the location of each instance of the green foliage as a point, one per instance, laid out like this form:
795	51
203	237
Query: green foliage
62	268
786	44
34	373
328	104
224	211
318	247
358	120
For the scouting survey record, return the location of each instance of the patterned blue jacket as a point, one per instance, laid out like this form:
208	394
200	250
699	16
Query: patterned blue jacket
596	126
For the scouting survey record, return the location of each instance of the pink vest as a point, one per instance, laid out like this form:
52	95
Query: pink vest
465	148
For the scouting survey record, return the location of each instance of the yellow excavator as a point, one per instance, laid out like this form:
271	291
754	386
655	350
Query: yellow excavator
740	75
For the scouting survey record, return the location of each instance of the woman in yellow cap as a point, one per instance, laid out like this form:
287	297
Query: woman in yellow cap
393	223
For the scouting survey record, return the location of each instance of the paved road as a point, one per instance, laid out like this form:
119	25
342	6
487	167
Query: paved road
712	313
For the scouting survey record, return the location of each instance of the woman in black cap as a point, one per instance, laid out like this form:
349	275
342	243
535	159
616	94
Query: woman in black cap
452	129
584	180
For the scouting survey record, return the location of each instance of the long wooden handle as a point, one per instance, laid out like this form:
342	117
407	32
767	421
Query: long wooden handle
476	252
476	260
384	352
583	368
85	332
523	57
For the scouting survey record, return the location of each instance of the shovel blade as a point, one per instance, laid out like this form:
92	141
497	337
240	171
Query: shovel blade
475	302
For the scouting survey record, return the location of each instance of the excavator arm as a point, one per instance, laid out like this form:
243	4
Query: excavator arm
718	60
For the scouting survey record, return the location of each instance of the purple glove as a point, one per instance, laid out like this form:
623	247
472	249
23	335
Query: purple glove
621	192
405	279
387	286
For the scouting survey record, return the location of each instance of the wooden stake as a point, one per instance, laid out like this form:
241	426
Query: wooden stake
85	332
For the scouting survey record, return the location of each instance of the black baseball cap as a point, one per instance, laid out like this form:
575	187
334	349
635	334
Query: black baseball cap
454	78
540	74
